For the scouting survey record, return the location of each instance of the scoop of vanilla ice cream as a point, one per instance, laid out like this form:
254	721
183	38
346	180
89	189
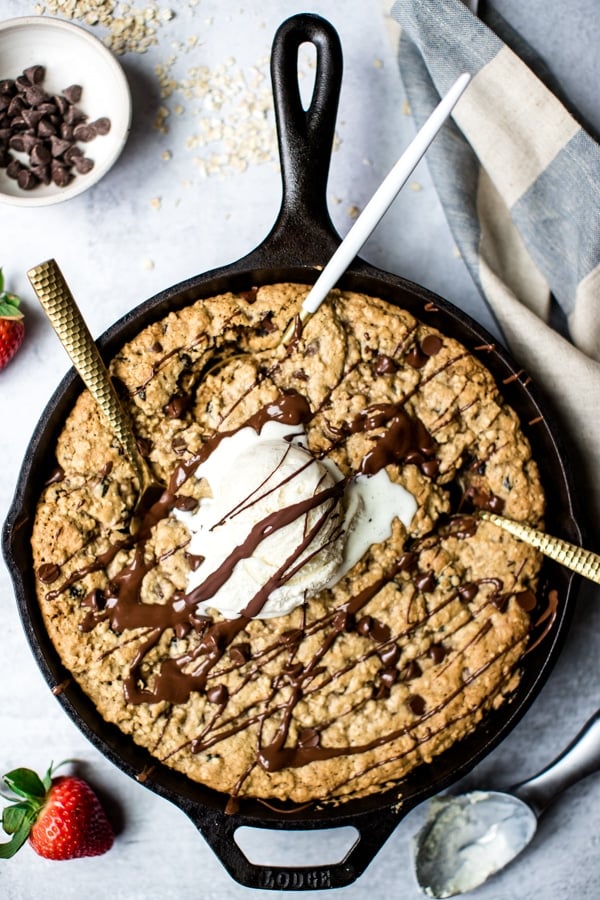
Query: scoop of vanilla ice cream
256	480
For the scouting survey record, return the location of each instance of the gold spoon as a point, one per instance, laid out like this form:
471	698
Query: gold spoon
53	293
579	560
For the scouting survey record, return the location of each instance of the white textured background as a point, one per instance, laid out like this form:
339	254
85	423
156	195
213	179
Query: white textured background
152	222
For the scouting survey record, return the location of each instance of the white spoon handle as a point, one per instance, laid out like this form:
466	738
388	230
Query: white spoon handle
382	198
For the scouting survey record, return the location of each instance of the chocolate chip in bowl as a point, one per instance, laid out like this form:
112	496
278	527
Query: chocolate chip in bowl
65	110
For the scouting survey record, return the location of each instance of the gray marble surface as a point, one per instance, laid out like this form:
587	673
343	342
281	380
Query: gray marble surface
153	221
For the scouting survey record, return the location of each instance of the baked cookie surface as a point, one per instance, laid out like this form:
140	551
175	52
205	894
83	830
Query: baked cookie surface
369	678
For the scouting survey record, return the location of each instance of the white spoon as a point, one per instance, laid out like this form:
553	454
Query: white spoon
378	204
471	836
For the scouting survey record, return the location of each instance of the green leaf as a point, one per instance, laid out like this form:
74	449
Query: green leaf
14	817
9	306
25	783
16	842
1	280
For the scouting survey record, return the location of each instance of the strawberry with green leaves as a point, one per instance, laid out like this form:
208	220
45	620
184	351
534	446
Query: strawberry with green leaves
12	329
61	817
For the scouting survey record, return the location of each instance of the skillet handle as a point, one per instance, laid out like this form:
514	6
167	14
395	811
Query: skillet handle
303	232
373	828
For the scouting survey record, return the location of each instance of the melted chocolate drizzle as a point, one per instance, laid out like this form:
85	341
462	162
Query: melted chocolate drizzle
398	438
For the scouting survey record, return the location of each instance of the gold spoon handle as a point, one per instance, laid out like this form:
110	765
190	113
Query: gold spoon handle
53	292
579	560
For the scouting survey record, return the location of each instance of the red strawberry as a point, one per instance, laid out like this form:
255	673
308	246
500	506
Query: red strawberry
62	817
12	329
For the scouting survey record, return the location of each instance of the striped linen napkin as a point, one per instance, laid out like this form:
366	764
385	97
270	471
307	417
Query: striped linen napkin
519	180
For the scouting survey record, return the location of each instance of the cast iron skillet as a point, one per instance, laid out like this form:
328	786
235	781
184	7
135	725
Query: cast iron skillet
302	238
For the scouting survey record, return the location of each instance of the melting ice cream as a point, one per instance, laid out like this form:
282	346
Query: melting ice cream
294	524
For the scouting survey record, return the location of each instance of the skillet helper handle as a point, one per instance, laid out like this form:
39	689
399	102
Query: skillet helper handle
303	227
580	759
219	830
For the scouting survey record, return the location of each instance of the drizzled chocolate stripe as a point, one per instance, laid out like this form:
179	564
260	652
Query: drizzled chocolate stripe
400	439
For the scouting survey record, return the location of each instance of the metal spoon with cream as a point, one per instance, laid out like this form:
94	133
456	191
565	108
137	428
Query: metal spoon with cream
471	836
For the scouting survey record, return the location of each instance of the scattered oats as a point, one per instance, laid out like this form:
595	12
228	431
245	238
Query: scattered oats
378	63
415	186
179	109
39	9
127	29
456	252
148	264
162	114
156	203
336	200
353	212
406	110
166	154
192	40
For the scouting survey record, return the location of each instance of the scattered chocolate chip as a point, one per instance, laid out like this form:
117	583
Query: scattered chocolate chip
83	164
101	125
389	676
380	692
73	93
437	652
61	103
58	145
177	406
39	155
468	592
45	128
7	86
34	74
390	655
13	168
56	475
26	179
416	358
526	600
416	704
16	106
32	117
83	132
425	582
16	143
48	108
240	653
60	174
71	154
48	573
431	345
219	695
384	365
194	560
309	738
364	625
35	95
411	670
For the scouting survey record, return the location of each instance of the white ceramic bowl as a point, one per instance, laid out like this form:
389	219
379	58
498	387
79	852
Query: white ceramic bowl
70	55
